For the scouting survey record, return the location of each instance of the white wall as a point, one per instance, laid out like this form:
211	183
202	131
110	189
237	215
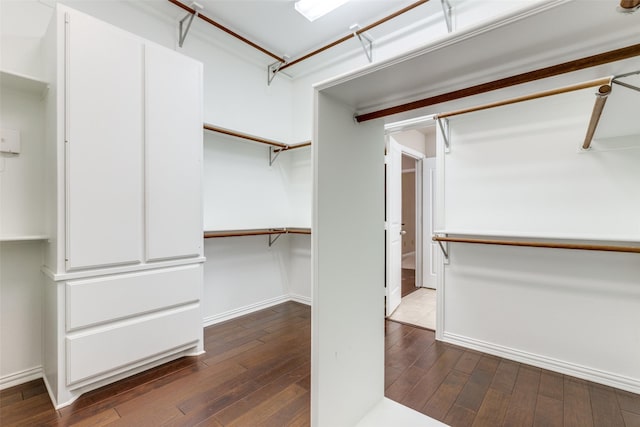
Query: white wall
519	171
20	312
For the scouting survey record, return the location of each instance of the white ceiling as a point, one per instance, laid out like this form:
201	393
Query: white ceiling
277	27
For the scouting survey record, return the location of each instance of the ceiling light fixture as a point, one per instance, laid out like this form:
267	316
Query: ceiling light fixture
314	9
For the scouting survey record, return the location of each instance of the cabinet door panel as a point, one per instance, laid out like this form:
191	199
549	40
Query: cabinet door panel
104	107
173	152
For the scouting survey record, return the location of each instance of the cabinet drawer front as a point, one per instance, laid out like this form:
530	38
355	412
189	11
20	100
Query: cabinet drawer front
104	299
114	349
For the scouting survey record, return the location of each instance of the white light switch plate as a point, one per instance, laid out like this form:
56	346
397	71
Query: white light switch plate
10	141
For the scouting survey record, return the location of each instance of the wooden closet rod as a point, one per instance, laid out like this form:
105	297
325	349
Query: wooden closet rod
598	106
255	232
350	36
280	145
228	31
606	248
244	136
541	73
308	55
603	83
629	4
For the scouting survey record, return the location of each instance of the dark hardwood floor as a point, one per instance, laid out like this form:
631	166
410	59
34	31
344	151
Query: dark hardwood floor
256	372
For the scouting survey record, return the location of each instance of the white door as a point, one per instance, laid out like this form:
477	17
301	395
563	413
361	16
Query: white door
104	109
173	87
394	225
428	216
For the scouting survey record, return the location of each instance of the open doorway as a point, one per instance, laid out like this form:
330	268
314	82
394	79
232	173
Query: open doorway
410	201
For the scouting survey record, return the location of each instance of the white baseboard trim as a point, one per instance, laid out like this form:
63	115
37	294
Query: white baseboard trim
301	299
21	377
597	376
232	314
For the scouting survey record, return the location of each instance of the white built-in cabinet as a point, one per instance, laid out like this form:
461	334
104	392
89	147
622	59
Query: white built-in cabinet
124	170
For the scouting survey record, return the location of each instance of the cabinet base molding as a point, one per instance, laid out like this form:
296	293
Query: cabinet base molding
71	396
607	378
21	377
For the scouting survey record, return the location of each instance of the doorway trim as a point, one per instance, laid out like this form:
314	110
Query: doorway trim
403	126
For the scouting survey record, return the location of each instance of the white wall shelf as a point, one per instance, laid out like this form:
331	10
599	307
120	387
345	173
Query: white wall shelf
23	238
23	82
275	147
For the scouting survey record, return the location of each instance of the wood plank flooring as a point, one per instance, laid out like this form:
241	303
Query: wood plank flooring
256	372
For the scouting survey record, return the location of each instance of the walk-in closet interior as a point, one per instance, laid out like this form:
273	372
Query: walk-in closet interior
168	166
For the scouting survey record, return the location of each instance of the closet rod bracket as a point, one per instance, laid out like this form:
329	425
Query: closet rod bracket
183	31
447	10
274	68
444	248
273	239
444	129
365	40
274	152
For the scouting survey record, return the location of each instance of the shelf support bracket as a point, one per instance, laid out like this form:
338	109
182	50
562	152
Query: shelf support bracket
272	239
444	129
447	10
272	70
445	250
274	152
365	40
184	31
627	85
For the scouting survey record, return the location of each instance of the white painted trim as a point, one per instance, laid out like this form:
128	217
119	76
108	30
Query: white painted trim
607	378
301	299
21	377
442	43
56	277
237	312
405	125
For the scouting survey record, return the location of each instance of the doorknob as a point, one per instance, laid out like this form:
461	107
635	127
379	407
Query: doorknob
403	232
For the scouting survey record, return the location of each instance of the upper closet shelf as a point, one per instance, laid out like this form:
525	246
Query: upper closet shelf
25	238
23	82
275	147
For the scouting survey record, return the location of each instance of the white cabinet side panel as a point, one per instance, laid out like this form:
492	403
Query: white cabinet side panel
116	347
348	266
173	149
104	149
108	298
